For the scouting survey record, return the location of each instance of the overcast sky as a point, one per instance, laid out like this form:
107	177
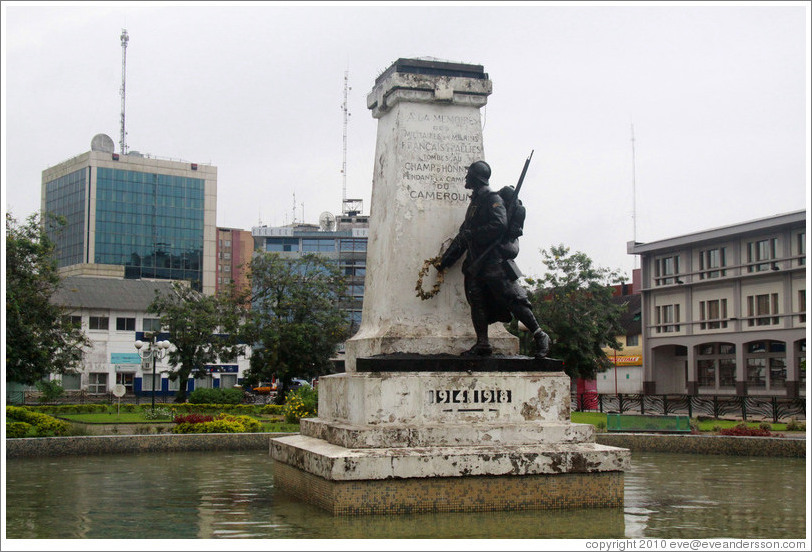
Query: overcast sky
716	95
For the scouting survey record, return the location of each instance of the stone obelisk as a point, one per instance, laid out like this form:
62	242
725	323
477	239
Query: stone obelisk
429	132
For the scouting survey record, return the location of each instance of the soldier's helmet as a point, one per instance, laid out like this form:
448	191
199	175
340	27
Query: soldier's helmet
479	171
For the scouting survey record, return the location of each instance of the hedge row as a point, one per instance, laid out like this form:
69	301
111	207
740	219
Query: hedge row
268	409
221	424
44	424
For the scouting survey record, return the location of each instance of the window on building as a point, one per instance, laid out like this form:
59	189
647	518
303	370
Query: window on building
713	314
766	364
711	263
73	321
227	381
353	245
146	382
152	325
632	340
761	308
760	251
318	245
126	379
282	244
71	382
706	372
801	242
667	318
757	373
778	372
125	324
356	291
800	359
666	270
802	306
97	383
99	323
716	360
727	372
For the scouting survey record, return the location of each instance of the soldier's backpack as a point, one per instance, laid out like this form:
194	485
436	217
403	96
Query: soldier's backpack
510	244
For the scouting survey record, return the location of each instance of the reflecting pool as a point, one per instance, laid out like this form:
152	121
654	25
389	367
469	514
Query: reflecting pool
231	495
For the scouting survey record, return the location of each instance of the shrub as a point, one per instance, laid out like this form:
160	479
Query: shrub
44	424
765	425
743	430
302	403
51	390
216	396
193	419
272	409
250	425
159	413
16	430
793	425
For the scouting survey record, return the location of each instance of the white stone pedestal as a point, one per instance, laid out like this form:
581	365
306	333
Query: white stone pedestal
504	438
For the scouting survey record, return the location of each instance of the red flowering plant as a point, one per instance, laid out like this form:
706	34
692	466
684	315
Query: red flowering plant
193	419
743	430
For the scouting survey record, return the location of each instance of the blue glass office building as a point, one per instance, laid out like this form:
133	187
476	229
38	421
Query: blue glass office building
134	216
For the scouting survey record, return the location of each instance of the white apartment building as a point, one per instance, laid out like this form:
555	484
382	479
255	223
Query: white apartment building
724	310
112	312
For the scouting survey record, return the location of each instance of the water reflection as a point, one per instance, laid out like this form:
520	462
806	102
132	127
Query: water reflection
231	495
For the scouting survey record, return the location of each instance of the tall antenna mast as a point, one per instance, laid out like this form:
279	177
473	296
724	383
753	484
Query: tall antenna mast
634	198
344	158
125	38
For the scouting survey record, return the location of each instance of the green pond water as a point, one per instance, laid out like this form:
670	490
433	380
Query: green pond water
232	495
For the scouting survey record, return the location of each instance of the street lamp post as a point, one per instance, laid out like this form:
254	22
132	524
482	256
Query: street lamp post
155	350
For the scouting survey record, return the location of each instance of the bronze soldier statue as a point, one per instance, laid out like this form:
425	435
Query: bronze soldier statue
491	279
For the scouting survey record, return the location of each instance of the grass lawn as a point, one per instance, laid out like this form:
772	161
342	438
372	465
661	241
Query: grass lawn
276	423
705	425
270	424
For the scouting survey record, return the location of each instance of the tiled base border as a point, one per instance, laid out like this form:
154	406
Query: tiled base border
453	494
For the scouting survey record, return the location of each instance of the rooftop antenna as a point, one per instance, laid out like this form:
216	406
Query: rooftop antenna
634	199
125	38
294	207
346	112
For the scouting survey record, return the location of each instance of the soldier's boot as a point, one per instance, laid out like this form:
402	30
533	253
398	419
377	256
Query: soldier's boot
540	339
542	342
482	347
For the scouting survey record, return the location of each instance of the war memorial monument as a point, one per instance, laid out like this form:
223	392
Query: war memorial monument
427	417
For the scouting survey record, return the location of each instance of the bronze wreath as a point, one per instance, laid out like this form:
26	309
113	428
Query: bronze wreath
425	270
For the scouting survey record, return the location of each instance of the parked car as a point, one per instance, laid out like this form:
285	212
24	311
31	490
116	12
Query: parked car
296	383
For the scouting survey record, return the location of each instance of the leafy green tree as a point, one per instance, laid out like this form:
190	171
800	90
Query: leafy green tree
40	339
296	322
202	329
573	303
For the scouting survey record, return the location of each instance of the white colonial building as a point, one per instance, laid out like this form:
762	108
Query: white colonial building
724	310
112	312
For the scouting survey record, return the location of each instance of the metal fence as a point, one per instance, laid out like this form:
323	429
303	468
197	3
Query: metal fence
83	397
712	406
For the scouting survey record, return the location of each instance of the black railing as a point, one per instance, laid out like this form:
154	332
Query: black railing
712	406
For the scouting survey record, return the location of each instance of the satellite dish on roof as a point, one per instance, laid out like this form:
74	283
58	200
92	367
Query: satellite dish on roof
102	142
327	221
